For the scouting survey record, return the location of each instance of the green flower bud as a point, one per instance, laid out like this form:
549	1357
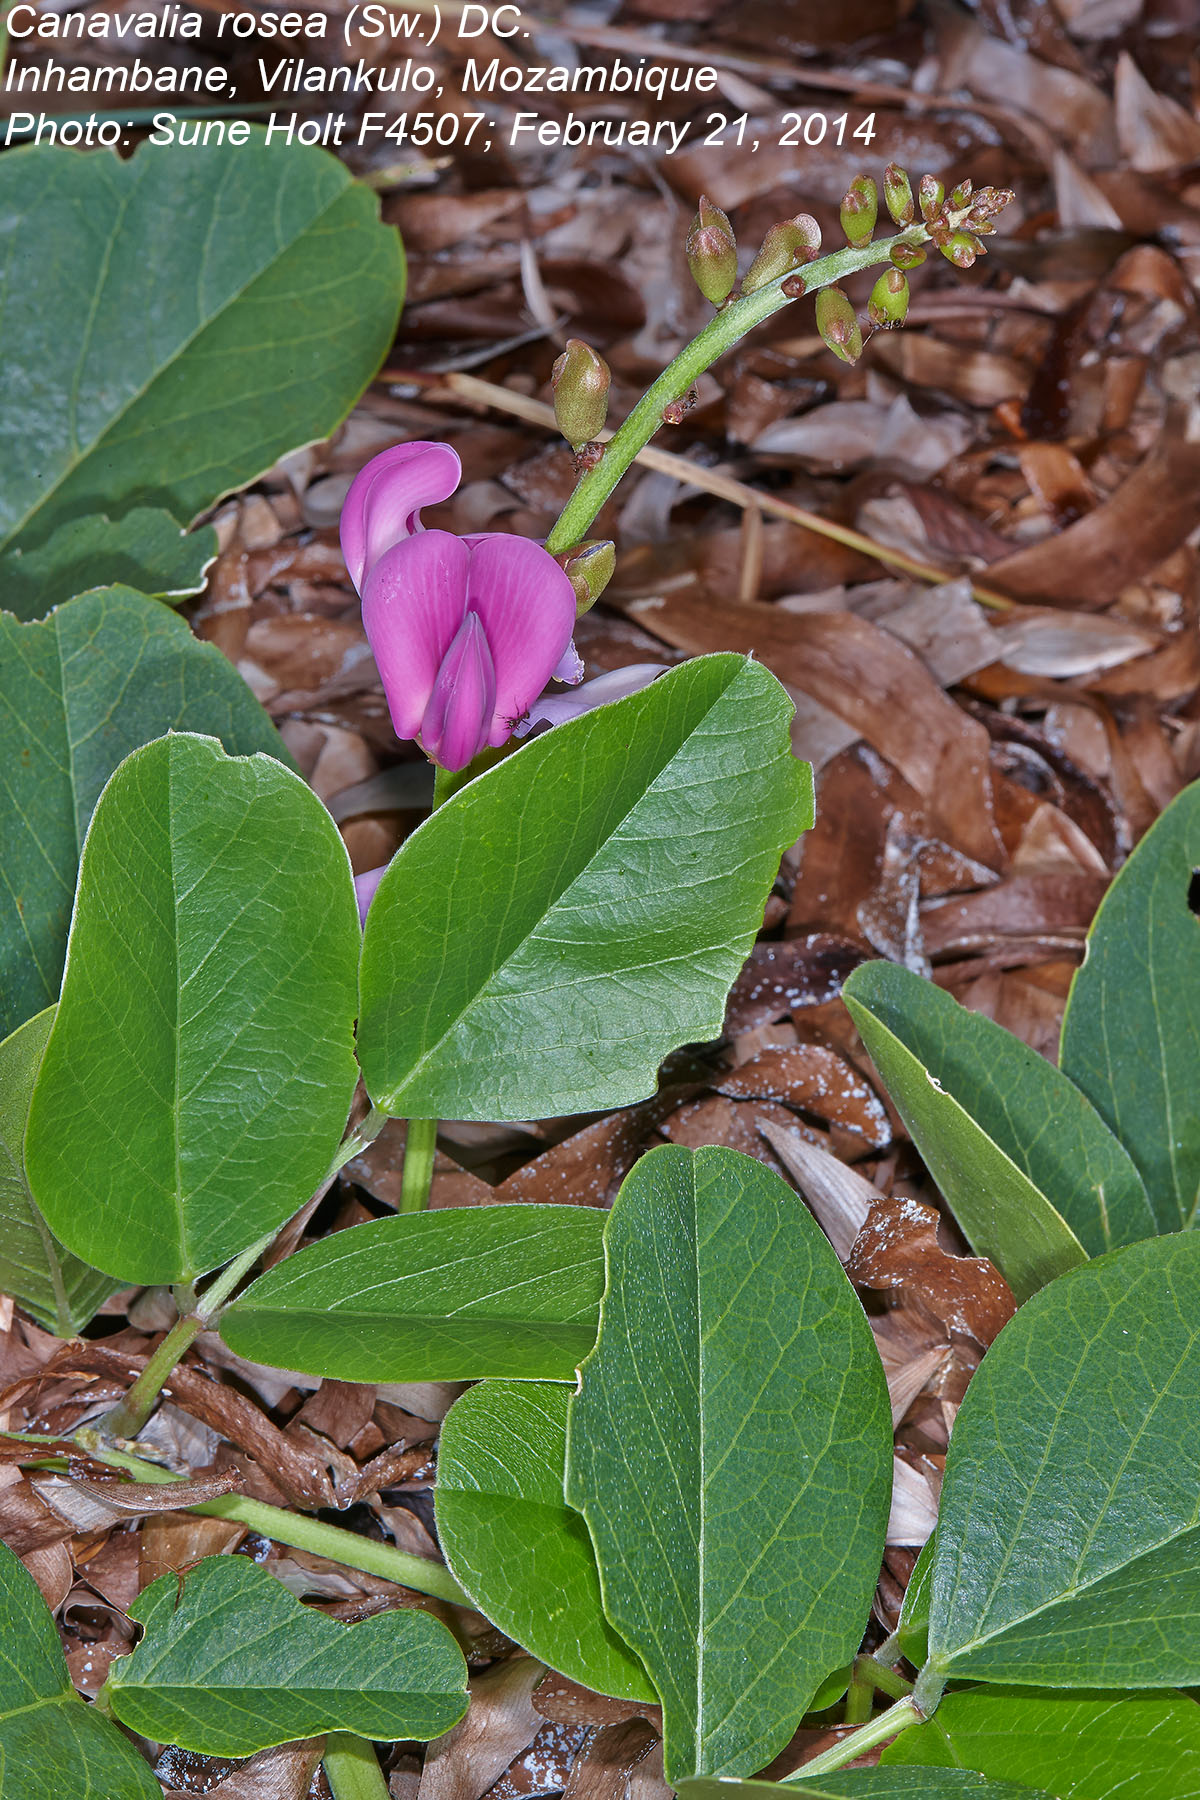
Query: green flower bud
580	379
793	241
838	324
931	194
888	304
960	196
907	256
897	191
711	251
589	568
860	209
961	248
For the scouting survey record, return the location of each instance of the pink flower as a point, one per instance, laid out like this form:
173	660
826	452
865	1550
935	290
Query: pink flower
466	631
555	709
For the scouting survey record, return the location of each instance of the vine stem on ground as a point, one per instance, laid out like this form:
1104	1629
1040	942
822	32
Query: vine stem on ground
352	1769
879	1730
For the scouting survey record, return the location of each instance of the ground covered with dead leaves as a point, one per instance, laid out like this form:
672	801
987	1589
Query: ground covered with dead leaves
991	736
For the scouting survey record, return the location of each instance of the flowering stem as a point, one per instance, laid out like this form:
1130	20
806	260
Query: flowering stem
352	1769
885	1725
419	1148
730	325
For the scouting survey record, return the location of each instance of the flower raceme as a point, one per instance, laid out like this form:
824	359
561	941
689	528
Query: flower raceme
466	631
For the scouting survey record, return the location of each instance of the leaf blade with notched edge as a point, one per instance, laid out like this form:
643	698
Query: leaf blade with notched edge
61	1292
1002	1212
52	1745
78	691
1068	1539
870	1784
1086	1746
744	1531
512	1542
568	918
145	549
179	1117
1131	1030
231	1663
454	1295
238	299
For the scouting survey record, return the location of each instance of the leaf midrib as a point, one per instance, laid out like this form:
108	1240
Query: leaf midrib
46	496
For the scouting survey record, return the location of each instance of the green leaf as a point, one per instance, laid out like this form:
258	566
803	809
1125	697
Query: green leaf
182	1115
146	550
730	1449
232	1663
1002	1212
1131	1033
433	1296
52	1745
1068	1540
61	1292
514	1544
871	1784
104	674
173	322
1085	1746
568	918
1027	1108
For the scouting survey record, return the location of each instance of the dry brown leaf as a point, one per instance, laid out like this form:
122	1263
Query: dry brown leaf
897	1248
282	1774
816	1080
1154	131
609	1756
500	1723
559	1698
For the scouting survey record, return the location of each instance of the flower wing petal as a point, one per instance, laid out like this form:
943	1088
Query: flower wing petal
383	505
526	606
412	607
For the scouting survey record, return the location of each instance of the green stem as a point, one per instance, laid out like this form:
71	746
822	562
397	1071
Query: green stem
420	1146
867	1669
352	1769
734	320
299	1530
885	1725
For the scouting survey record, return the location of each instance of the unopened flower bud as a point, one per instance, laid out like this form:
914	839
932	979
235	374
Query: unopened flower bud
888	304
906	256
838	324
711	252
931	194
589	569
988	202
961	195
580	379
860	209
961	248
897	191
793	241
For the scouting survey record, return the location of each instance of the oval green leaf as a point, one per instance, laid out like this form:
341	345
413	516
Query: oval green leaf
1027	1107
145	549
1131	1032
870	1784
237	300
1086	1746
180	1116
514	1544
1068	1539
1004	1215
543	941
61	1292
435	1296
52	1745
731	1451
103	675
231	1663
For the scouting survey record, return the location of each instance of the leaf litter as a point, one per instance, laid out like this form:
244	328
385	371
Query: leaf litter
983	769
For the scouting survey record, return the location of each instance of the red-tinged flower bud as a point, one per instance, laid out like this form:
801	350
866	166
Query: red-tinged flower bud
711	251
931	194
888	304
907	256
988	202
589	569
580	379
793	241
838	324
860	209
961	248
960	196
897	191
